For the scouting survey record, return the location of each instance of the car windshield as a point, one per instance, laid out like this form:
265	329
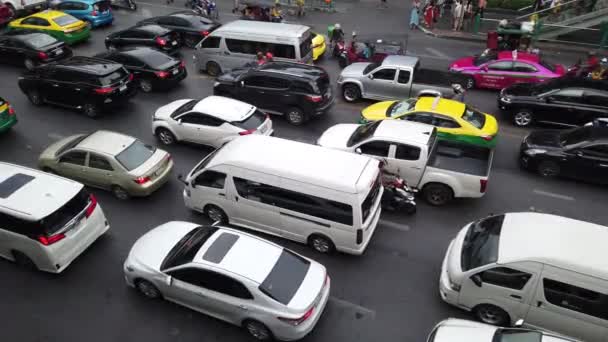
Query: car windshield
40	40
480	245
157	60
285	278
517	335
136	154
206	161
400	107
71	144
370	67
575	136
65	20
185	250
479	60
362	132
474	117
186	107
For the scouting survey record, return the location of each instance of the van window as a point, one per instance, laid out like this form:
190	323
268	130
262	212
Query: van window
211	43
282	50
480	245
306	46
211	179
241	46
576	298
505	277
366	206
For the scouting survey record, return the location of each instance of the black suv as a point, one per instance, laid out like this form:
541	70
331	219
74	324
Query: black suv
83	83
31	49
562	101
147	35
299	91
191	26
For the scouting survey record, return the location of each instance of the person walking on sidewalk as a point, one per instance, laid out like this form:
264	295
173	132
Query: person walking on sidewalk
383	4
415	15
457	14
429	15
481	7
300	4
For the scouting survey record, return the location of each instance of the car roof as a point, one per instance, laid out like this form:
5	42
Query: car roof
224	108
24	35
292	160
139	51
260	28
555	240
440	105
91	65
523	56
48	14
293	69
240	253
32	195
415	132
152	28
108	142
399	60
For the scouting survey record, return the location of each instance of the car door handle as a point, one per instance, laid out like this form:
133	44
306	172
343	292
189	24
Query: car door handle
539	304
515	296
226	53
243	307
221	194
416	167
236	199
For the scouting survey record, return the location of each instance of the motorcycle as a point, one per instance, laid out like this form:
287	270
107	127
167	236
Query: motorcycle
397	196
207	8
127	4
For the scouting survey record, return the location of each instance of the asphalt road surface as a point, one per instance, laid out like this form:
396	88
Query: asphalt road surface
388	294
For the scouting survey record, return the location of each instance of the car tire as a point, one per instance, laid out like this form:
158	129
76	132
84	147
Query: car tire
548	169
190	41
165	136
24	261
295	116
29	64
147	289
469	83
491	314
213	69
351	92
120	193
321	244
90	110
437	194
258	330
523	118
145	85
35	97
216	214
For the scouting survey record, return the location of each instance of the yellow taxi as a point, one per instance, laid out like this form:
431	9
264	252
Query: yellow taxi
318	46
454	120
60	25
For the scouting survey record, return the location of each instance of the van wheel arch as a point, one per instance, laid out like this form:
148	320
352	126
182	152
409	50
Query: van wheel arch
491	314
210	207
23	260
321	243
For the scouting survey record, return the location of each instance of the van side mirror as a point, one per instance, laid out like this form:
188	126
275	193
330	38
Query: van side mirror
476	279
519	323
358	150
169	280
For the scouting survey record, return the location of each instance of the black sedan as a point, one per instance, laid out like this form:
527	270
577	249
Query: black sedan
146	35
151	68
191	26
31	49
580	153
562	101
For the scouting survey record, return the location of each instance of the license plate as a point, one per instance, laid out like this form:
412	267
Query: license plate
58	51
175	71
123	87
158	172
174	43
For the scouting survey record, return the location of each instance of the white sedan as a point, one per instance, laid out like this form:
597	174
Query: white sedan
212	121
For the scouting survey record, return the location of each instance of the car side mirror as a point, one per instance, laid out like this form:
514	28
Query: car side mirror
476	279
169	280
358	150
578	153
519	323
370	76
242	83
179	121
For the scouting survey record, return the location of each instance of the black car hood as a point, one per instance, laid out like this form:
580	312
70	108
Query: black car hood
544	138
522	89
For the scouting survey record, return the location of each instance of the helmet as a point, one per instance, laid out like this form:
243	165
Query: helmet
269	55
337	26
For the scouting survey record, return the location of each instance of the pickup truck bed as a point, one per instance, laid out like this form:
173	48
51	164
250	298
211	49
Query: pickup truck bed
461	158
429	79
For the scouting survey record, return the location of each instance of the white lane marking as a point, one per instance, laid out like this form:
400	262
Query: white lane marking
437	53
349	305
554	195
55	136
395	225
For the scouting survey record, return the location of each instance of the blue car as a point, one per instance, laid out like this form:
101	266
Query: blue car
96	12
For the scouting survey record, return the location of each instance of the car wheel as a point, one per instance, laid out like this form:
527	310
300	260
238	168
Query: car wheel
145	85
351	92
216	214
24	261
437	194
29	64
213	69
295	116
34	97
321	244
90	110
258	330
523	118
120	193
165	136
548	169
190	41
469	83
491	314
147	289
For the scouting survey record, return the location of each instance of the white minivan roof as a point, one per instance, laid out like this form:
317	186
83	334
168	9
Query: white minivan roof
312	164
31	194
261	29
554	240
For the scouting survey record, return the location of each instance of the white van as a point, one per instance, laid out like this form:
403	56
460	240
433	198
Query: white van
46	221
327	198
548	270
235	44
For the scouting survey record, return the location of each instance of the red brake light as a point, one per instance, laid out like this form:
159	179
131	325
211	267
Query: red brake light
11	111
161	41
49	240
298	321
205	33
142	180
182	64
162	74
131	77
104	90
94	13
92	205
249	131
483	185
42	55
487	137
314	98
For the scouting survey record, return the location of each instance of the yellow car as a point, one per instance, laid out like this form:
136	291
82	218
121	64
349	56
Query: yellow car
318	46
454	120
60	25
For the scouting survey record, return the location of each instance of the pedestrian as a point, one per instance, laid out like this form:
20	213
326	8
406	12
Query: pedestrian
300	4
555	7
538	4
415	15
235	6
383	4
440	6
458	15
428	13
481	7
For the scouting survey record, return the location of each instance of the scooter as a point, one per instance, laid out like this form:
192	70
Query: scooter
397	196
127	4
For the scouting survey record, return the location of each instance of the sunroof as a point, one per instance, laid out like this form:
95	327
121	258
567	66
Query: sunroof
220	247
14	183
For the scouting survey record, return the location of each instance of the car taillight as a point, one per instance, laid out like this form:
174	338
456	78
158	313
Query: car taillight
142	180
298	321
92	206
182	64
104	90
42	55
247	132
94	13
49	240
314	98
161	41
11	111
131	77
487	137
483	185
161	74
204	33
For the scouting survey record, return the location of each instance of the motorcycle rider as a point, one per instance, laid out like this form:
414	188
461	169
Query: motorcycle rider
275	14
337	35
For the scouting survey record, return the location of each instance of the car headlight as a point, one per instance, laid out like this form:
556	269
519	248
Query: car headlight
505	99
534	151
215	84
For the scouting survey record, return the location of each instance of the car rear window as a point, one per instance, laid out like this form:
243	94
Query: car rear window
40	40
157	60
474	117
252	122
323	83
306	46
65	20
136	154
285	278
113	77
102	6
547	65
366	206
58	219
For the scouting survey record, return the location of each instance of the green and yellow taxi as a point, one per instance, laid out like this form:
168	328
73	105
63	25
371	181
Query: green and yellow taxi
60	25
318	46
454	120
8	118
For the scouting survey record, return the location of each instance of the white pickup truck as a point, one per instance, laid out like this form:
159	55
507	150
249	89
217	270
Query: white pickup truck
441	169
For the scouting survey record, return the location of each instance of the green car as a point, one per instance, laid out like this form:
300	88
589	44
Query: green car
7	116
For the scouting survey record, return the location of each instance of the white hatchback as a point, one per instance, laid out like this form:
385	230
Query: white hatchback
212	121
230	275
